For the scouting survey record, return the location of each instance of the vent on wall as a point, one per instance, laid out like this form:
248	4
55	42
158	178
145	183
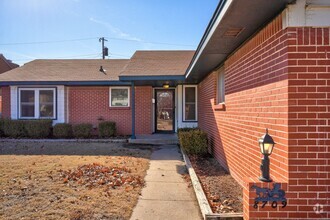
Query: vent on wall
233	32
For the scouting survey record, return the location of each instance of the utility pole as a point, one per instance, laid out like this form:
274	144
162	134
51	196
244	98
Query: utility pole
104	49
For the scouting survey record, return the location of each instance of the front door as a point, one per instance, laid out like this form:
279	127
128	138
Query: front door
165	110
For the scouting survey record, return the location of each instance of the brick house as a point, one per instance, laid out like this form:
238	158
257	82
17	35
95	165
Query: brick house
260	64
266	64
5	65
89	91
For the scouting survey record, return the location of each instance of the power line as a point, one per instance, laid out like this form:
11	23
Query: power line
47	42
73	56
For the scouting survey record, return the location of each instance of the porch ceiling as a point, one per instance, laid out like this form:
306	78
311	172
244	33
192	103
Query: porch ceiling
219	40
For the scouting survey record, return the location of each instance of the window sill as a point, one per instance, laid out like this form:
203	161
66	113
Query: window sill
119	108
220	107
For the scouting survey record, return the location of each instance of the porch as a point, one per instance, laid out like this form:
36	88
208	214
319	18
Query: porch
155	139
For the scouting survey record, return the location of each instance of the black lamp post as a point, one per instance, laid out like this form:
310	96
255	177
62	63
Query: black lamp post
266	144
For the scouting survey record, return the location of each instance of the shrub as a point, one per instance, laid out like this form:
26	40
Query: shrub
14	128
38	128
193	141
62	130
187	129
25	128
82	130
2	121
107	129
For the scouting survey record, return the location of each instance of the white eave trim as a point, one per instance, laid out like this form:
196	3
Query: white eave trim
214	27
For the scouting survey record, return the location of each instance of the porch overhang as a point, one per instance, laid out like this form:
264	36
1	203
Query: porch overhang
233	22
156	81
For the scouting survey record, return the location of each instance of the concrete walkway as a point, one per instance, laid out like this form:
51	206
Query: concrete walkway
166	195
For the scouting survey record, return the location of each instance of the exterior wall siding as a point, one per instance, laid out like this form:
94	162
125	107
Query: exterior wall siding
280	80
88	104
309	120
256	98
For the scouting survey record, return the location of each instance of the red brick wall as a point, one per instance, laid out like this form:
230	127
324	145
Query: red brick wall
143	110
279	79
309	120
87	104
5	104
256	98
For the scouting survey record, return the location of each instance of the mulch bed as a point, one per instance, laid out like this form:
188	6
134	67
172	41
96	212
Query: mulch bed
222	191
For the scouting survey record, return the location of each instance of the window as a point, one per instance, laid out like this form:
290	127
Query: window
221	86
190	103
119	97
37	103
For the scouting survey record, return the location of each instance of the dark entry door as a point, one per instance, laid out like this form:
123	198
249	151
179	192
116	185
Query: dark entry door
165	110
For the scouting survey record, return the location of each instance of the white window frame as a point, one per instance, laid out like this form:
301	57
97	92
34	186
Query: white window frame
221	86
129	95
184	103
37	103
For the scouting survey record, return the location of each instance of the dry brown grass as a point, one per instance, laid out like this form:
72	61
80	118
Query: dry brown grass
32	188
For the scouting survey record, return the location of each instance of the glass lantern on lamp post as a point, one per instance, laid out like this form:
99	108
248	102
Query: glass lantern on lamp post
266	144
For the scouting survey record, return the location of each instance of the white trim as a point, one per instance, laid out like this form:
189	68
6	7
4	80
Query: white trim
128	94
36	102
307	13
184	103
214	27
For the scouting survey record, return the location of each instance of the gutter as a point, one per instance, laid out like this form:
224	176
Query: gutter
66	83
152	78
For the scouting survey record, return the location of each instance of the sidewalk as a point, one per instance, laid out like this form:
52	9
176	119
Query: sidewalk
166	195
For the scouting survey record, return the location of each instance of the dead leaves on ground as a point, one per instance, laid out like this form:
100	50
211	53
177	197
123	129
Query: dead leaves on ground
97	175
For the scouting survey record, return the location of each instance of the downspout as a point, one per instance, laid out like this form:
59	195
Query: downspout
133	111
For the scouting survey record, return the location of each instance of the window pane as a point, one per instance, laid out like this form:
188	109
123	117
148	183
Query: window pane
190	104
47	111
190	112
27	96
119	97
27	110
27	103
190	94
46	96
221	87
46	103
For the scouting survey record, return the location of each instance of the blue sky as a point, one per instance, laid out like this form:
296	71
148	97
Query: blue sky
129	25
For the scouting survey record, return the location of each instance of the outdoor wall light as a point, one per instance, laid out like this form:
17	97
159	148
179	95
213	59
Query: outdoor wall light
166	86
266	144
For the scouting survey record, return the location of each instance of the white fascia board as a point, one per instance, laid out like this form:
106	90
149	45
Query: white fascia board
214	27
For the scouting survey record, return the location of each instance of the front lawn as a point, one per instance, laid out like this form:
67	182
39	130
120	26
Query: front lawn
55	180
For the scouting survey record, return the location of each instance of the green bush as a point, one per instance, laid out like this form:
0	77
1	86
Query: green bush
193	141
62	130
107	129
82	130
14	128
2	122
25	128
38	128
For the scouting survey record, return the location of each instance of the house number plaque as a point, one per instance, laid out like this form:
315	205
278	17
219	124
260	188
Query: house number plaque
273	196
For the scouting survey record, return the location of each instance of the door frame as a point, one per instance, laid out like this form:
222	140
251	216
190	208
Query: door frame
173	106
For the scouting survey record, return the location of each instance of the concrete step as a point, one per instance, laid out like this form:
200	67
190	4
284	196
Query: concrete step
153	141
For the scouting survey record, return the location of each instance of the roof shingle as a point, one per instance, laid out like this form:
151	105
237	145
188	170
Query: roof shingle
158	63
66	70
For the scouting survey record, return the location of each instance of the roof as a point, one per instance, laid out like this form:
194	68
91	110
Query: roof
158	63
54	70
150	65
233	22
6	64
